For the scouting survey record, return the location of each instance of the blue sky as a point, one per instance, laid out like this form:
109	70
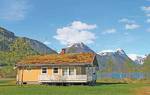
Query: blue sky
101	24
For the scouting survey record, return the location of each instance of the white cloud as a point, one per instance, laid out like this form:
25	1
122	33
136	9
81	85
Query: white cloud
148	20
82	26
110	31
75	33
148	15
131	26
146	8
13	9
47	42
125	20
148	30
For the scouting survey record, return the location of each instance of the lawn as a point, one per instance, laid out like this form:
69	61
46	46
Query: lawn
8	87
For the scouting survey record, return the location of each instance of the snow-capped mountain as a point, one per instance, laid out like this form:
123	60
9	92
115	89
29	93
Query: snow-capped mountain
77	48
108	52
117	59
139	59
147	60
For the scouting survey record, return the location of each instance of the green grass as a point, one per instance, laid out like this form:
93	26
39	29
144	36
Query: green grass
8	87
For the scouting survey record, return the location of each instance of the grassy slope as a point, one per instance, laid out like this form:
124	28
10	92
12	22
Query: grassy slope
7	87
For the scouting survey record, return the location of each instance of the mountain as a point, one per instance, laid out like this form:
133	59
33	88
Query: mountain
109	61
114	60
138	59
14	48
147	58
7	38
77	48
146	65
39	46
118	56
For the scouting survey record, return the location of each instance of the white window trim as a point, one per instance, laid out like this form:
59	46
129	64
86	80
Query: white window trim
72	69
53	71
46	70
67	71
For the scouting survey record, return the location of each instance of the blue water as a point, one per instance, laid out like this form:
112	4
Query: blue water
116	75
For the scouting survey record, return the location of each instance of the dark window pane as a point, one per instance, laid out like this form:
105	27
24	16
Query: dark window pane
44	70
55	70
80	70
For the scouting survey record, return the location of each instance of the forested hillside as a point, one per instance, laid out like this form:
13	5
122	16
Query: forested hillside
13	48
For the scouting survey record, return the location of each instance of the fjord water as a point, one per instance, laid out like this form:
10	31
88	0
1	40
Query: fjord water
119	75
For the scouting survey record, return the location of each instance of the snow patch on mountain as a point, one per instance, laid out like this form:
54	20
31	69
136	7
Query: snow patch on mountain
139	59
108	52
78	47
115	59
120	51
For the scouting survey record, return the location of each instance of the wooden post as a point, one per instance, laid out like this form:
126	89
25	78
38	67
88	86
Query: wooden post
17	73
22	76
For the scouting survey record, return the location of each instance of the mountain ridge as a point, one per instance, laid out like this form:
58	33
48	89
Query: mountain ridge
115	61
77	48
138	59
7	38
13	48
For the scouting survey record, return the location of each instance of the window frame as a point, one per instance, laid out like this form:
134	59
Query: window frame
65	71
57	71
42	70
71	68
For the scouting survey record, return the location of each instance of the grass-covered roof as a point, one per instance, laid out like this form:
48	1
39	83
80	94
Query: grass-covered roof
59	59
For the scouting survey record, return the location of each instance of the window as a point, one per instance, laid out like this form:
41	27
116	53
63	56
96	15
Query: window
55	70
80	70
44	70
68	71
71	71
65	71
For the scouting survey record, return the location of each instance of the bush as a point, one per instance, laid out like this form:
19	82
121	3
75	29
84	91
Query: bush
7	72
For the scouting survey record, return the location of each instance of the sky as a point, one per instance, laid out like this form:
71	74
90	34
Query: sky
100	24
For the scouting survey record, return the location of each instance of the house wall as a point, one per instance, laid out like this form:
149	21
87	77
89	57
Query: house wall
31	75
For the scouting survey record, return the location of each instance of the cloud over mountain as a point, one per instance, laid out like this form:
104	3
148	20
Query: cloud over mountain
75	33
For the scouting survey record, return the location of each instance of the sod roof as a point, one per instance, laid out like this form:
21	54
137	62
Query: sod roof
76	58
